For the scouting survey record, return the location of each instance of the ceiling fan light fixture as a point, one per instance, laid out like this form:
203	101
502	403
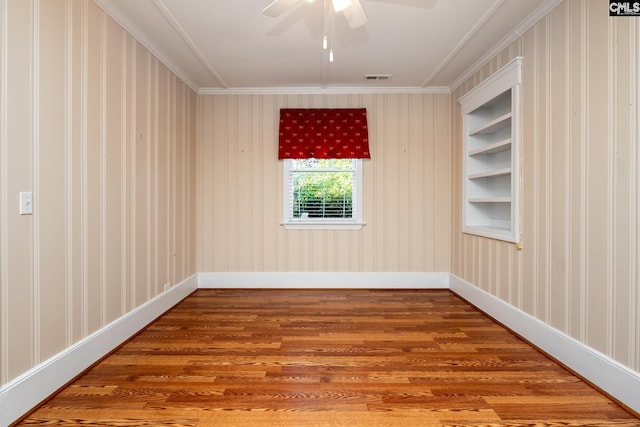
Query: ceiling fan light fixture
355	15
340	5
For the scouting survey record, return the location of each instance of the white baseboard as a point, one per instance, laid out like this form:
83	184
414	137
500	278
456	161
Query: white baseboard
609	375
319	280
22	394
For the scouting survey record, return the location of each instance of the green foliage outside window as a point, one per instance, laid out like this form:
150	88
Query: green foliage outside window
322	188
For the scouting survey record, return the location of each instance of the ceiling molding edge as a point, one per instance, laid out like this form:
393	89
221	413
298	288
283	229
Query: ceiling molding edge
517	32
321	91
463	42
173	21
114	12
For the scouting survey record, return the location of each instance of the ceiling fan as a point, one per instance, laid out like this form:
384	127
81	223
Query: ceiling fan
351	9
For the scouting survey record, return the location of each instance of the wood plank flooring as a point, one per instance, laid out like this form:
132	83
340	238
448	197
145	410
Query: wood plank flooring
328	358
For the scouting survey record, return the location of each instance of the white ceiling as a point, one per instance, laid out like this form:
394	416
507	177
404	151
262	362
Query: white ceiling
229	45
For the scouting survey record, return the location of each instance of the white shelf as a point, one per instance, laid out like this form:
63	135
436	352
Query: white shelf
493	126
482	230
496	147
489	200
489	174
490	162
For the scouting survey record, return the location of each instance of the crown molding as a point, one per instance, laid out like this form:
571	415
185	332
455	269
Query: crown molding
173	21
464	41
517	32
320	90
114	12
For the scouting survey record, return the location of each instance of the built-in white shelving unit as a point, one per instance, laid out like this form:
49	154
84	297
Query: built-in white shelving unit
490	164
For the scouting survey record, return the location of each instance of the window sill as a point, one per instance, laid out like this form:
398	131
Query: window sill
323	225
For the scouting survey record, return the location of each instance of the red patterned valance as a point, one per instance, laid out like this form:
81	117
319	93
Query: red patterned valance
323	133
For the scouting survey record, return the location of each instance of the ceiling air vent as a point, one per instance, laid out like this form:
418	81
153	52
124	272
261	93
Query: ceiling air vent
377	76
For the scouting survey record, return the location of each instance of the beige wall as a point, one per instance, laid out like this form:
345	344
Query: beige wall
406	187
578	267
104	136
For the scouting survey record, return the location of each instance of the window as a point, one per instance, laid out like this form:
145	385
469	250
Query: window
323	193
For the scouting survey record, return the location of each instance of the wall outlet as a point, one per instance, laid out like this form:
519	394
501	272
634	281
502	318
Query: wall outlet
167	286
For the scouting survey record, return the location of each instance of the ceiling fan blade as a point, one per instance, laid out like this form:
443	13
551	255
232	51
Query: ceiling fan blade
355	14
277	7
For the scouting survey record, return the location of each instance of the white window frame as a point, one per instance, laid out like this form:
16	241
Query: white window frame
354	223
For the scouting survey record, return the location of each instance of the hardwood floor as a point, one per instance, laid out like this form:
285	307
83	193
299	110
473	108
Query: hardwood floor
328	357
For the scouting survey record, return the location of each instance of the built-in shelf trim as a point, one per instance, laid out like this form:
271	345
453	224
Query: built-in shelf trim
491	128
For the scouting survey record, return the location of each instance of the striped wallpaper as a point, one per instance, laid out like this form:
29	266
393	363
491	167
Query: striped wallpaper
103	135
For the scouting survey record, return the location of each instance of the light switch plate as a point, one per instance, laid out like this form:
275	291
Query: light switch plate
26	203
